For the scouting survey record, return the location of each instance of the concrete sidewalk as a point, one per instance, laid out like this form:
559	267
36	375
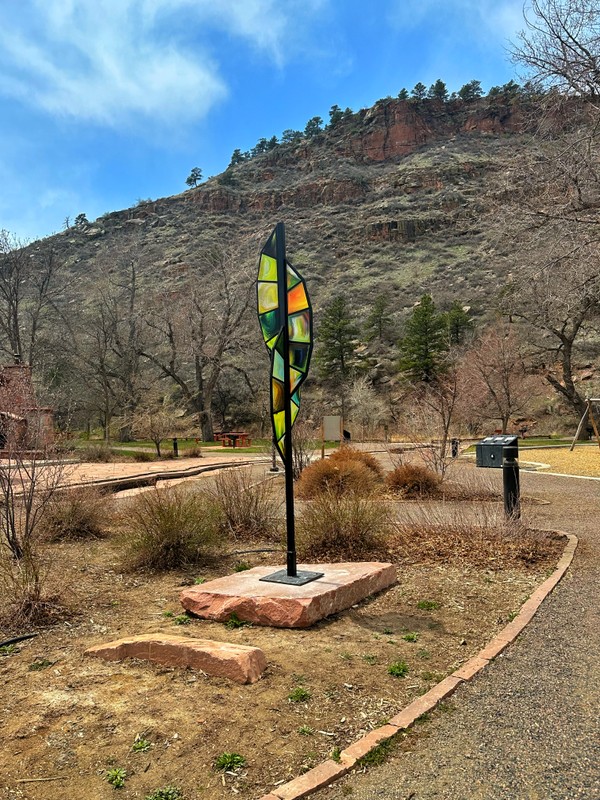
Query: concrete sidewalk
528	727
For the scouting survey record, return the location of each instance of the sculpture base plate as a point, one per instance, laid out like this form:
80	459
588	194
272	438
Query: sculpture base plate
299	579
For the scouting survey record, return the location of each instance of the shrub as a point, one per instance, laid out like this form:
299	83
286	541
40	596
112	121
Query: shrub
413	480
97	453
81	513
345	454
250	509
170	527
343	528
193	452
338	477
143	457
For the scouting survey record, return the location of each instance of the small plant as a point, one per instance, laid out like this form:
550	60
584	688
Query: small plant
413	480
431	676
241	566
387	631
411	637
182	619
346	656
347	527
140	745
341	477
428	605
97	454
166	793
116	777
199	581
370	659
142	457
378	754
8	649
399	669
169	528
168	614
336	754
299	695
81	513
229	761
38	665
305	730
249	509
423	654
235	622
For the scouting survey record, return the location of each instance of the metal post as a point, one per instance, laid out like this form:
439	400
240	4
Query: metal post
287	442
510	480
274	467
175	448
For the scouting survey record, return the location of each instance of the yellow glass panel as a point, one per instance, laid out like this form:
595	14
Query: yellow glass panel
267	297
279	424
299	327
267	270
297	299
277	392
295	378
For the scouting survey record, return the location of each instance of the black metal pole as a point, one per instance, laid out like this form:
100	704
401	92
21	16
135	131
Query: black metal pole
287	442
510	480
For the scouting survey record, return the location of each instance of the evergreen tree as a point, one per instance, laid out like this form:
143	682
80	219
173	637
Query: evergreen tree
425	343
403	94
470	91
458	323
313	127
237	157
348	112
290	135
378	324
419	92
194	178
438	91
335	115
260	147
337	339
272	143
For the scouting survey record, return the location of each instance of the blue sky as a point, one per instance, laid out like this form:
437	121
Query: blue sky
104	102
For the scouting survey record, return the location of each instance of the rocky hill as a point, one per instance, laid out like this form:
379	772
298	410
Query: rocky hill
396	199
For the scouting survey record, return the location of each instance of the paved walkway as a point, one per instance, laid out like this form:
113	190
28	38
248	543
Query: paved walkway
528	727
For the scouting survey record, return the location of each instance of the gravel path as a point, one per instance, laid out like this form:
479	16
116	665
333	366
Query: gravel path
528	727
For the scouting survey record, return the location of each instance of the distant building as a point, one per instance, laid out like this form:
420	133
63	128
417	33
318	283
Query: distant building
22	421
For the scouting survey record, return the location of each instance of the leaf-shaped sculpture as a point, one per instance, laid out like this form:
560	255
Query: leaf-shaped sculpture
273	310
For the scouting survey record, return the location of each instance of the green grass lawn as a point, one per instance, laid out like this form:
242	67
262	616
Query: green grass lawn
534	441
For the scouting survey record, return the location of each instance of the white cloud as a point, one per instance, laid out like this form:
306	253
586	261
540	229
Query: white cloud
114	61
500	17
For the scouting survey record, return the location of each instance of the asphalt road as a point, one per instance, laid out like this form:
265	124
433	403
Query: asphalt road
527	728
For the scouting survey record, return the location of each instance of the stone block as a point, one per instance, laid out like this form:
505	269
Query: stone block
237	662
284	605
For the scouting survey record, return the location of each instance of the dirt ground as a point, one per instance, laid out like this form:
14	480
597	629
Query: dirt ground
70	718
584	460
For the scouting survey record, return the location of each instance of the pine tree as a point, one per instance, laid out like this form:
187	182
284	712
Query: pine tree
458	323
403	94
419	92
313	127
237	157
335	115
470	91
194	178
438	91
424	344
379	322
337	339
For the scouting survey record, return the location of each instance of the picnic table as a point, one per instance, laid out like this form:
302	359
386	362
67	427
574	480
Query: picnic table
235	439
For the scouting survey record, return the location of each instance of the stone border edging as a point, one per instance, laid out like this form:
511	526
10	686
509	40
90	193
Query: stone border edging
329	771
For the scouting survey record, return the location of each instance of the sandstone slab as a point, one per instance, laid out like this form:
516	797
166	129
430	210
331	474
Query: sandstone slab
234	661
285	606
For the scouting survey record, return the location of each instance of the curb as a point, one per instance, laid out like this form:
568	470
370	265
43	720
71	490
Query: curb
329	771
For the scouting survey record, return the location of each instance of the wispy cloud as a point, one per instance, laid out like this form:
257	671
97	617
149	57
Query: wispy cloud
482	18
115	61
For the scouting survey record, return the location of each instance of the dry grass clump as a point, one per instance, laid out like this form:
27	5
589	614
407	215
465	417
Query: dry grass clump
97	453
167	528
250	508
80	513
413	480
483	538
346	454
337	476
343	528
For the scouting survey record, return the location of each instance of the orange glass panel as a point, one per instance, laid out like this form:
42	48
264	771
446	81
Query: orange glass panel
297	299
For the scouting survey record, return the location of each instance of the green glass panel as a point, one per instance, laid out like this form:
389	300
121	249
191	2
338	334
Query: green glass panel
294	410
267	297
269	323
293	279
277	365
267	270
299	326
